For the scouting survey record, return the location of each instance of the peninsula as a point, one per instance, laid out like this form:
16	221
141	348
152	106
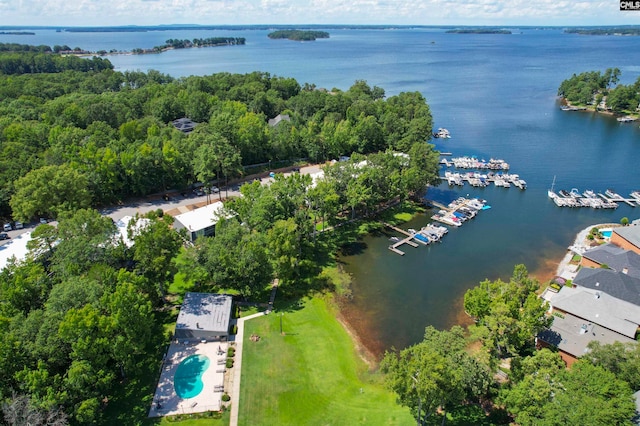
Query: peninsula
298	35
187	44
600	92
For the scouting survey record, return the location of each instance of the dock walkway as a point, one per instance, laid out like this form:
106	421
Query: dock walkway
408	240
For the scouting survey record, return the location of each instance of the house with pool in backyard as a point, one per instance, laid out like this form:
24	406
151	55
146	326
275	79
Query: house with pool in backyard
193	376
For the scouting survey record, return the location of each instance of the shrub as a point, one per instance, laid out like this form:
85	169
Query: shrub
229	362
226	397
234	329
231	352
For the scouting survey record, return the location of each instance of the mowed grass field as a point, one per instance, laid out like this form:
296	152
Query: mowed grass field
311	375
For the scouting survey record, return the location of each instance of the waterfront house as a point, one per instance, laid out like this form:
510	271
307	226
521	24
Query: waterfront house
617	284
582	315
627	237
613	257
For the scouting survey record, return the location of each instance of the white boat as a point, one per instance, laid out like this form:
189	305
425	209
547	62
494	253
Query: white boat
550	192
442	133
611	194
636	195
589	194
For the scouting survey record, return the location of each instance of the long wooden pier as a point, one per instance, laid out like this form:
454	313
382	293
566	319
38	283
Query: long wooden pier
408	240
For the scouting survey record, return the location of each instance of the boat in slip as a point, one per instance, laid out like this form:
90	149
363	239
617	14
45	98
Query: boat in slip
636	195
611	193
589	194
550	191
421	238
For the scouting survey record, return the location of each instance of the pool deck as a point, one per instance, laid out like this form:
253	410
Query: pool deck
166	402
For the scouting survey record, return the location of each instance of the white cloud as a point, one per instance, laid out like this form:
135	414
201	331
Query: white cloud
413	12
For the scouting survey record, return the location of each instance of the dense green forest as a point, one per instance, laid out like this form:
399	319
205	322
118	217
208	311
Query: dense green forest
602	91
111	131
298	35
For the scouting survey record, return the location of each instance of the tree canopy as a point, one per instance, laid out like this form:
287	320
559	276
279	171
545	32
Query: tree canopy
112	131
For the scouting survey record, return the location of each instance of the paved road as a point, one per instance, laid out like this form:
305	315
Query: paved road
147	204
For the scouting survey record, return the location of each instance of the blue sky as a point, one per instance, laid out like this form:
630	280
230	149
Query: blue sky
412	12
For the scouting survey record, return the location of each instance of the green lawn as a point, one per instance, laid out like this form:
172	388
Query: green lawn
311	375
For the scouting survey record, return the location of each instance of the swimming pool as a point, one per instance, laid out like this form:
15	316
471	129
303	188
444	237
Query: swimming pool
606	234
187	380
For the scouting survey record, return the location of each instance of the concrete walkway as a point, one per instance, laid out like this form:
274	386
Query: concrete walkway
237	367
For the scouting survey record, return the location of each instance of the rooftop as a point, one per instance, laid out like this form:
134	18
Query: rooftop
572	335
599	308
123	224
203	217
615	258
629	233
278	118
185	125
616	284
205	311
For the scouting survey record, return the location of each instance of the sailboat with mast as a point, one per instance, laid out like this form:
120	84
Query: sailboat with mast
550	192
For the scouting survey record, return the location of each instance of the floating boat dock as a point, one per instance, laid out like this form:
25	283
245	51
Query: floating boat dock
608	200
408	240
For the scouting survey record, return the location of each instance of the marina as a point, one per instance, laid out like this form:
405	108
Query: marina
473	163
481	180
608	200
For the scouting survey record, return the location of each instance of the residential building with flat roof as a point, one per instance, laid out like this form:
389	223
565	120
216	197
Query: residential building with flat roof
204	316
200	222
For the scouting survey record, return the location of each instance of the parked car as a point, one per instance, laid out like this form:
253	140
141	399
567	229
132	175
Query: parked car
18	225
198	191
214	189
7	227
43	221
4	236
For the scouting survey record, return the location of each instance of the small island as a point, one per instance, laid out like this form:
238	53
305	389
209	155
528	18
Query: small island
478	31
298	35
616	31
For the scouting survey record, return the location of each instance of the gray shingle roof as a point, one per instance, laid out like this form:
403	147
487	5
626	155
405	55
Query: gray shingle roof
599	308
629	233
185	125
615	258
616	284
572	335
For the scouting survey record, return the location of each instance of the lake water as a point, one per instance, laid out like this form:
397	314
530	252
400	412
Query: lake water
497	96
